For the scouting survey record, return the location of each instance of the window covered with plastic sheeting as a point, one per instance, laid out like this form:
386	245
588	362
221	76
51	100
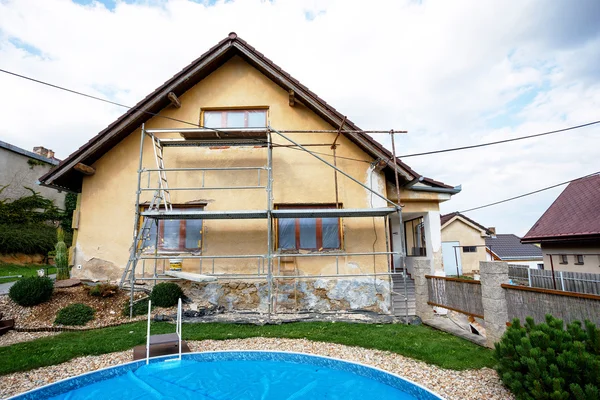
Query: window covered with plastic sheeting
308	233
235	118
175	234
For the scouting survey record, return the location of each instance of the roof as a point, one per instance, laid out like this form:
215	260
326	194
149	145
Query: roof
64	177
27	153
575	214
444	219
509	247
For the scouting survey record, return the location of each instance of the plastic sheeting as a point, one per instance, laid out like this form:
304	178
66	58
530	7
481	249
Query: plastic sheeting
236	380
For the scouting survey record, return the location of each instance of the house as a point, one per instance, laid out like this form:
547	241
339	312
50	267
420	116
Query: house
266	181
569	231
20	169
508	247
463	243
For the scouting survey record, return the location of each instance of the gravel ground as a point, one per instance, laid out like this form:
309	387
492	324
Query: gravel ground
108	310
471	384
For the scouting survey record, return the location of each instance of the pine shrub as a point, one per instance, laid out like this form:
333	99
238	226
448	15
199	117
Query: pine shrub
546	361
26	238
31	291
75	314
166	294
103	290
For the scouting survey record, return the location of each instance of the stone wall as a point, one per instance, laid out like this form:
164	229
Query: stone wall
290	295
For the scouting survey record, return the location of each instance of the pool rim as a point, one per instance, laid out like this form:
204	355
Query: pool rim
185	355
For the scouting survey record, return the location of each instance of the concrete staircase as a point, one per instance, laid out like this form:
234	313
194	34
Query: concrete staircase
398	296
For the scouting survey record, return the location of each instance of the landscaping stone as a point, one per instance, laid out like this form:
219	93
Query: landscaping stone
65	283
452	385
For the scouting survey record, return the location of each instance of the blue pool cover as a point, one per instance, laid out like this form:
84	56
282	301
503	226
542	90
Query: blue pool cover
236	376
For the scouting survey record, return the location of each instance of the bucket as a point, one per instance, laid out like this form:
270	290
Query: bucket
175	264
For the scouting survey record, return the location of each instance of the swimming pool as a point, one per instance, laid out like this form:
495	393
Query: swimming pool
230	375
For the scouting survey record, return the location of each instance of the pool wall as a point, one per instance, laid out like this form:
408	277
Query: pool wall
376	374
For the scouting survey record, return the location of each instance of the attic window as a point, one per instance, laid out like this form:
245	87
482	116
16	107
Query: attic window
235	118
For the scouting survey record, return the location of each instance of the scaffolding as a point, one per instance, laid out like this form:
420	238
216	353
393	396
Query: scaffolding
268	264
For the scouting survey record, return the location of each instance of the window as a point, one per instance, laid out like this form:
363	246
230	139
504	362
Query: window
564	259
540	266
235	118
176	234
469	249
414	237
579	260
308	233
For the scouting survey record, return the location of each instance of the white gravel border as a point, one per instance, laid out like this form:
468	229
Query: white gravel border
450	384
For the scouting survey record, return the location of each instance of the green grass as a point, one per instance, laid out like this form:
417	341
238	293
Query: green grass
418	342
25	270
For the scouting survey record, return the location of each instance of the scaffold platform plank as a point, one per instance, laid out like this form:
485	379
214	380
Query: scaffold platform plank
261	214
333	212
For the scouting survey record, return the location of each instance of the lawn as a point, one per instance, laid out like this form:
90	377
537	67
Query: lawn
418	342
25	270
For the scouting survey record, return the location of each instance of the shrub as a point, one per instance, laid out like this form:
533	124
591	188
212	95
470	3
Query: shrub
545	361
139	308
75	314
103	290
166	294
31	291
62	258
27	238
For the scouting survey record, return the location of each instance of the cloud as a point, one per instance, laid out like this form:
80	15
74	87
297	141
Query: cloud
451	73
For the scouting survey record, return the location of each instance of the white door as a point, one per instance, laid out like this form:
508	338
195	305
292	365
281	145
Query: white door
451	257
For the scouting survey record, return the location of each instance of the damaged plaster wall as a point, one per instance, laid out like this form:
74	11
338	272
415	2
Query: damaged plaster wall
294	295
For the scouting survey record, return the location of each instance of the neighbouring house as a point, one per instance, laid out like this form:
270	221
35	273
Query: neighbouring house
569	231
268	217
463	243
20	169
508	247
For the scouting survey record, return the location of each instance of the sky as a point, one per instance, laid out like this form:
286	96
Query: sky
451	73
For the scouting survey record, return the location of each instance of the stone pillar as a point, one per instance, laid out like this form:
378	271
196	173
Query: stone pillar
423	310
495	311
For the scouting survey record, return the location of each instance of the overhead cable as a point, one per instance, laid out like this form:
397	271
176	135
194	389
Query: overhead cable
499	141
528	194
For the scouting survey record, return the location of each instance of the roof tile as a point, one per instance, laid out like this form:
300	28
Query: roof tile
575	212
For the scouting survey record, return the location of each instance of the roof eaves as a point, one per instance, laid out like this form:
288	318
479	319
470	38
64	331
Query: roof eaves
27	153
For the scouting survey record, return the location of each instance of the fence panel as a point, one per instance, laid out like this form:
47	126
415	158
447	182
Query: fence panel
568	306
580	282
462	295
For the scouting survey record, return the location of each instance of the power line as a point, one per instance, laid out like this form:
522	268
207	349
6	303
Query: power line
151	113
97	98
499	141
528	194
325	154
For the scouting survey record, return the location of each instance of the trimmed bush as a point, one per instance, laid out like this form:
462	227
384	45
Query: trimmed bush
103	290
139	308
31	291
545	361
166	294
75	314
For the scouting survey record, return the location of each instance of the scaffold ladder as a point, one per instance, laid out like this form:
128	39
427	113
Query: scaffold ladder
161	195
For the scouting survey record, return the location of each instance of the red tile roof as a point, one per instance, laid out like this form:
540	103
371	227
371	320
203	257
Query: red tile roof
65	177
575	213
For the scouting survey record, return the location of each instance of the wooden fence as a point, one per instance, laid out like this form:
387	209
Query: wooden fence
580	282
525	301
462	295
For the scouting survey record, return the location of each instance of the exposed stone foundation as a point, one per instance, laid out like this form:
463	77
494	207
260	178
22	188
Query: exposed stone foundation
292	295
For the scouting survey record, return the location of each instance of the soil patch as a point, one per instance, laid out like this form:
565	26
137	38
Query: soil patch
108	310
